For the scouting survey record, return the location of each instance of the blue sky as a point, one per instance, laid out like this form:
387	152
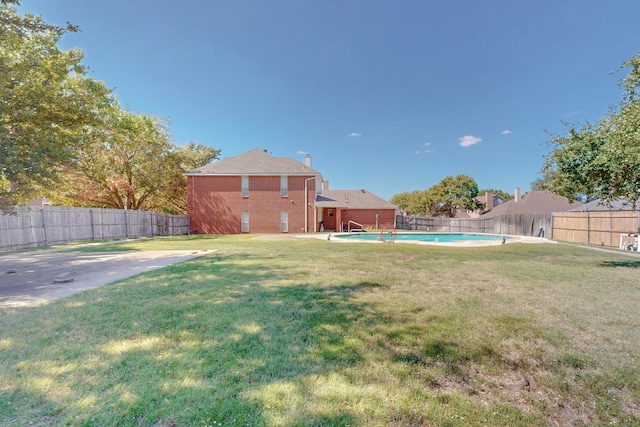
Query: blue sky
389	96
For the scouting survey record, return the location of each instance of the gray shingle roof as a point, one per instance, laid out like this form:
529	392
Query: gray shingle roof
534	202
255	162
600	205
353	199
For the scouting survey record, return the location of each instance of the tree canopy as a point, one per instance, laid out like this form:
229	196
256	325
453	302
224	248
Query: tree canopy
442	199
131	163
505	195
47	103
64	136
601	159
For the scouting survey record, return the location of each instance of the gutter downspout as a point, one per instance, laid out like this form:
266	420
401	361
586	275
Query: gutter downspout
306	205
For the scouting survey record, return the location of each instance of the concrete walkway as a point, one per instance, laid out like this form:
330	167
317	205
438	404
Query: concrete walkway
33	278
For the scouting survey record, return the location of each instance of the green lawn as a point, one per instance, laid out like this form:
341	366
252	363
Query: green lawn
306	332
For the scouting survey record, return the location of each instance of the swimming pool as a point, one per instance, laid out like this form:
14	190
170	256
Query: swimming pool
417	237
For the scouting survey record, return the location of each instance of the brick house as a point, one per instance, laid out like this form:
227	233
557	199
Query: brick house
255	192
343	210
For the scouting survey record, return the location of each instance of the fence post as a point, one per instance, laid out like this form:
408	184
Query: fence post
44	227
126	224
93	228
588	221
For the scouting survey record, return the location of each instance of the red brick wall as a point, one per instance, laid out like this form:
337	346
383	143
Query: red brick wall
367	217
215	204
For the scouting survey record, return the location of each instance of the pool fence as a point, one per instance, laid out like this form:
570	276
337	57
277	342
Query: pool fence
603	228
513	224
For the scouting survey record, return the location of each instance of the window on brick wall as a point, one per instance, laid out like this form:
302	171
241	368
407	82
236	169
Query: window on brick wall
284	186
245	221
284	221
245	186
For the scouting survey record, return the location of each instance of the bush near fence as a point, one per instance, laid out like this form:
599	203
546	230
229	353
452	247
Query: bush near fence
595	228
53	225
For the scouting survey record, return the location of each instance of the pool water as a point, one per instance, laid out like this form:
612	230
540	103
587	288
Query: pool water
422	237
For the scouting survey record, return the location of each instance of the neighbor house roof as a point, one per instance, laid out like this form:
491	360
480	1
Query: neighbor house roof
600	205
352	199
533	202
255	162
483	199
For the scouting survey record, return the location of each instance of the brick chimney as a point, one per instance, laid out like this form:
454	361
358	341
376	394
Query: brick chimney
325	184
488	201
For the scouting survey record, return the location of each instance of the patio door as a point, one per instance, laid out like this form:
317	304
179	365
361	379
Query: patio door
329	219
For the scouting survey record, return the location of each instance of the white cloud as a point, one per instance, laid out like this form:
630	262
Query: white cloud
426	150
469	140
302	152
354	134
506	132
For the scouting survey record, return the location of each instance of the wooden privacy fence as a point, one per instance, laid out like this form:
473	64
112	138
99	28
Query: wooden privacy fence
54	225
596	228
514	224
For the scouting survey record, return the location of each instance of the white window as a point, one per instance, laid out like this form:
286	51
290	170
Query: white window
245	186
245	221
284	186
284	221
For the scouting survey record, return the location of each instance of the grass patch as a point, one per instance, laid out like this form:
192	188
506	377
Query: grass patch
308	332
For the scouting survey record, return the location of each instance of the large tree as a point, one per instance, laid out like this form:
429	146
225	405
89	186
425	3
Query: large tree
47	104
602	159
130	163
453	193
542	183
441	199
411	202
172	184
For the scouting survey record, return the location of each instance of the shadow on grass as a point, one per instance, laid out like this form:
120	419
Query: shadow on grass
627	264
189	242
214	340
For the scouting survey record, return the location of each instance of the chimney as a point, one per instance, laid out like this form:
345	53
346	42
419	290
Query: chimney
516	195
307	160
325	184
488	201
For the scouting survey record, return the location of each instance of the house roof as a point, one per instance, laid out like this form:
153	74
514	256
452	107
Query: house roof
353	199
255	162
600	205
483	199
533	202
